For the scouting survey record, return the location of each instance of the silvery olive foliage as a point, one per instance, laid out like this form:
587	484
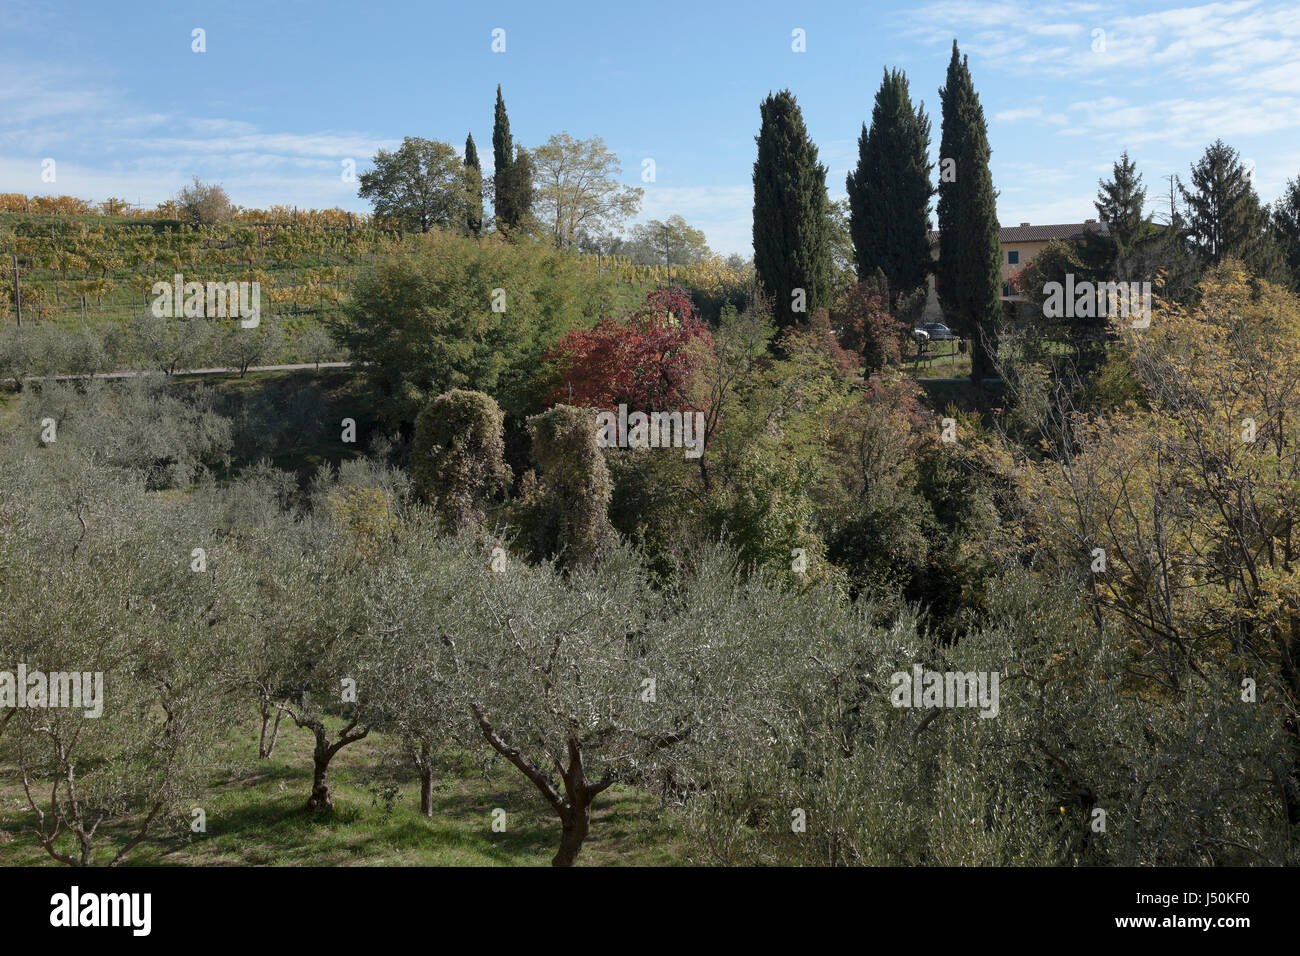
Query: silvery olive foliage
96	582
756	705
138	425
1180	781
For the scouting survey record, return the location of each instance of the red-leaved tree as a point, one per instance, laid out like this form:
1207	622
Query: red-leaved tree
816	336
644	359
861	316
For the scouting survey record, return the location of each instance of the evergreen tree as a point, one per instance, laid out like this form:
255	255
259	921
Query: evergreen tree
503	147
518	187
474	186
1119	204
969	273
889	192
1286	228
512	179
1224	215
791	214
503	157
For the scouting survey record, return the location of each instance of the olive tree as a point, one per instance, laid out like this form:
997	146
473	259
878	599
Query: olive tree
565	679
102	614
307	653
413	599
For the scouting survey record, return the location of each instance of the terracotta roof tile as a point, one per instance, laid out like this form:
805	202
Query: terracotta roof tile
1027	233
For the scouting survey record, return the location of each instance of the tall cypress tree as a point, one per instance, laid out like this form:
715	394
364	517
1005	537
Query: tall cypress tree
474	185
513	177
791	243
969	273
503	157
889	192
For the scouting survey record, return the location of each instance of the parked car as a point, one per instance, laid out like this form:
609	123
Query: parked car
939	332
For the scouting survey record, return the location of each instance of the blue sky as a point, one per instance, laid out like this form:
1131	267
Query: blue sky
286	91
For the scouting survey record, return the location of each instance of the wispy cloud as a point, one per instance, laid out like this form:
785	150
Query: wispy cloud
53	113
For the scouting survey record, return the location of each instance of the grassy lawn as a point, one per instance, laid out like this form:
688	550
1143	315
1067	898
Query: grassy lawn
256	816
942	361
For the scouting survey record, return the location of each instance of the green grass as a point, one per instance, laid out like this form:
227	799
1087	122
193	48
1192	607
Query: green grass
943	361
256	816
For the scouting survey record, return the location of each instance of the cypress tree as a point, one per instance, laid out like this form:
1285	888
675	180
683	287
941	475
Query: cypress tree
513	176
474	184
889	192
519	185
791	210
503	157
503	147
969	273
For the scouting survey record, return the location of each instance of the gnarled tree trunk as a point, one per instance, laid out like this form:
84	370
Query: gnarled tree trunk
426	778
320	798
576	822
324	752
573	807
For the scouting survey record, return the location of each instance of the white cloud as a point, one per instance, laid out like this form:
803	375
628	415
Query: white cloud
725	213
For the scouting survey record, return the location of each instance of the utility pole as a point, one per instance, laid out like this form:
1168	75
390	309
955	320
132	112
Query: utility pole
667	257
18	295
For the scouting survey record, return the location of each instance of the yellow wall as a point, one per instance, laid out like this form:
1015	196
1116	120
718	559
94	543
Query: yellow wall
1027	251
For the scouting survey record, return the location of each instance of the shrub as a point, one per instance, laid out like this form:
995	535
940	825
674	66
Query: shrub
576	487
424	322
457	460
203	204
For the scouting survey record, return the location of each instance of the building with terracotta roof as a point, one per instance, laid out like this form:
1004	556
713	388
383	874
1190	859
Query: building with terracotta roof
1019	246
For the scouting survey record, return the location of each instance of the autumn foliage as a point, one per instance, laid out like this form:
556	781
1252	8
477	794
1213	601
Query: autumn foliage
644	359
862	317
816	336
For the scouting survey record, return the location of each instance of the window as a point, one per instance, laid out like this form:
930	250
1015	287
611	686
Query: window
1007	291
1013	257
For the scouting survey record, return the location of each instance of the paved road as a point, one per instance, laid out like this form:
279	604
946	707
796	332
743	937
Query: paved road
194	371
